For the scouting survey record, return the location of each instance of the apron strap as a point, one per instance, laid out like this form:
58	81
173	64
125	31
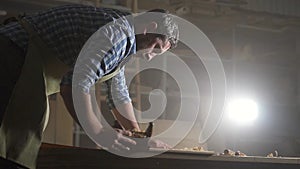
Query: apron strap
109	76
116	71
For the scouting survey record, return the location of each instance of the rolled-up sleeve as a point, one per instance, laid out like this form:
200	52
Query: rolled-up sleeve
117	90
94	62
100	56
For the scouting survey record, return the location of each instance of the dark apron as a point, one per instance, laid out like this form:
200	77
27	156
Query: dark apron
28	110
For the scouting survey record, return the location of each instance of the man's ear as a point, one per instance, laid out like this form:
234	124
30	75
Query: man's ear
150	27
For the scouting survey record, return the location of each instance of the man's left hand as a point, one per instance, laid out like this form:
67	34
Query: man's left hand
154	143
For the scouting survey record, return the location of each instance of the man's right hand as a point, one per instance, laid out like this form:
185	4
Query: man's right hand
117	140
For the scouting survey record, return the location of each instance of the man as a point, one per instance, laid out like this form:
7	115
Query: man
40	49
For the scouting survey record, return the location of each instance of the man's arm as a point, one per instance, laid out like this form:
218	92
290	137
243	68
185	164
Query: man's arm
120	103
66	93
83	103
126	108
129	121
84	106
91	123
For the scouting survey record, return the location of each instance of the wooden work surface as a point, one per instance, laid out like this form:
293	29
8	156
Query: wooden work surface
63	157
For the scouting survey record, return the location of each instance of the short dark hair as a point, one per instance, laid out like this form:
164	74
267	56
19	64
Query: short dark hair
167	26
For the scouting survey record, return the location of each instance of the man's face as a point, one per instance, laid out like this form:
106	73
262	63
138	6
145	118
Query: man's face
151	46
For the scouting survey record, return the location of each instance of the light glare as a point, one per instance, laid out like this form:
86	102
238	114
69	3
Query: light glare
243	111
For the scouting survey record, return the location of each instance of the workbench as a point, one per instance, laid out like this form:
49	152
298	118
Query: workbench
62	157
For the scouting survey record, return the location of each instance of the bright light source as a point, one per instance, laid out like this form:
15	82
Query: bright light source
242	111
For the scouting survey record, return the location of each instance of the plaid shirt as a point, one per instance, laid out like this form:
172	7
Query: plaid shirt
65	29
